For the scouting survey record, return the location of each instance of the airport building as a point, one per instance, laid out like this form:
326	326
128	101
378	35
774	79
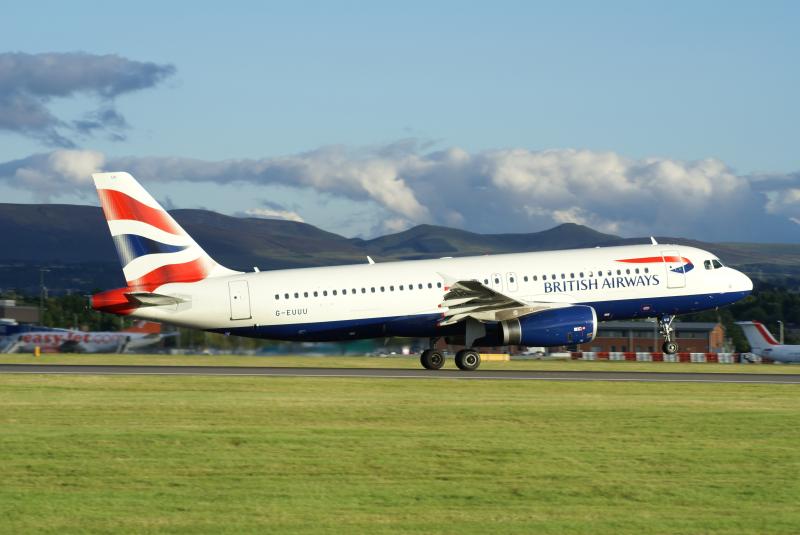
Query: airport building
643	336
21	313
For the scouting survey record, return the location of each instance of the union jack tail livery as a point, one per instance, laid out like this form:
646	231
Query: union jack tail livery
153	248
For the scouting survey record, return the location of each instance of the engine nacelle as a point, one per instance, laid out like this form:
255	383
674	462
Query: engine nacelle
570	325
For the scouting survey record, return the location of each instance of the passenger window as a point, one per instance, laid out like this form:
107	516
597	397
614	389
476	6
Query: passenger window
511	280
420	286
627	271
553	276
325	293
391	288
372	289
525	278
353	291
277	296
363	290
334	292
383	289
544	277
305	294
563	276
401	287
647	270
636	271
534	278
286	296
438	284
571	275
316	294
430	285
497	281
619	272
344	291
410	286
581	274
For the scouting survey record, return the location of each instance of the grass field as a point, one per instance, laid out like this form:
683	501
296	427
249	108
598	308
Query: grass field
188	454
389	362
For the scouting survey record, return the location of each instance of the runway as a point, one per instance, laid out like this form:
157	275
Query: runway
398	373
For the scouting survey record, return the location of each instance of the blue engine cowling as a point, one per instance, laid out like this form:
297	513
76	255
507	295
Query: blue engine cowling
570	325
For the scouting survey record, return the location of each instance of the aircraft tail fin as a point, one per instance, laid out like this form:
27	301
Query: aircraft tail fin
757	335
152	247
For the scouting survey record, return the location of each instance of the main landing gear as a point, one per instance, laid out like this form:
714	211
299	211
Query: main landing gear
466	360
431	359
665	326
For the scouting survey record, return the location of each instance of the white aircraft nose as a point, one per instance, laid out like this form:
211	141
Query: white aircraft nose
742	282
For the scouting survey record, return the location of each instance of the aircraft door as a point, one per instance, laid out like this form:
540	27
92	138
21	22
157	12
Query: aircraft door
497	282
240	300
673	263
511	282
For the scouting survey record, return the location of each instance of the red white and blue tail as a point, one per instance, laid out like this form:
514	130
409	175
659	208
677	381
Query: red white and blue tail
757	335
152	247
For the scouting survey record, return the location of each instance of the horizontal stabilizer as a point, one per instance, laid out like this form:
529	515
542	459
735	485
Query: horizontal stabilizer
149	299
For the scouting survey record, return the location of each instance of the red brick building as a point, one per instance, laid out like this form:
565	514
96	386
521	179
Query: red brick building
644	336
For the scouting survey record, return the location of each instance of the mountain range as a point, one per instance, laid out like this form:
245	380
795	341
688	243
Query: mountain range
74	244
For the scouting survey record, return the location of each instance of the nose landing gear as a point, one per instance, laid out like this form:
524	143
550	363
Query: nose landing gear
669	347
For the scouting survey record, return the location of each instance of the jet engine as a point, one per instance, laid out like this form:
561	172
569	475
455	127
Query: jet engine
576	324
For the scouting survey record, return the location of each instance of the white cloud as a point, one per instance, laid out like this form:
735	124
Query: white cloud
509	190
272	213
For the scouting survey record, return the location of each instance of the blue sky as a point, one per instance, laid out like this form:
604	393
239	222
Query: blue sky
679	82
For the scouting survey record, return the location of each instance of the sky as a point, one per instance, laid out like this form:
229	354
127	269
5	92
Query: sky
363	118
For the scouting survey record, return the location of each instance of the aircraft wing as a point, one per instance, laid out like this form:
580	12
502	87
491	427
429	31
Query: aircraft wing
471	299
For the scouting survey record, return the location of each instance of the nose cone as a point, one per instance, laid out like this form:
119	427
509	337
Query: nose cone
742	282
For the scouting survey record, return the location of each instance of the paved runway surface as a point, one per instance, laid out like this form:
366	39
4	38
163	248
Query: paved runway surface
515	375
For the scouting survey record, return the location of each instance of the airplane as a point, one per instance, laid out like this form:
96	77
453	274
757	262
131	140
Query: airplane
543	299
24	338
763	344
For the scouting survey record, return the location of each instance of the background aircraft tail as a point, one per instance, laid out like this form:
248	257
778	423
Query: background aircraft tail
757	335
152	247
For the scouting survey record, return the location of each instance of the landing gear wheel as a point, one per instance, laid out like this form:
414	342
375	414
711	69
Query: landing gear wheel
665	326
468	360
670	348
431	359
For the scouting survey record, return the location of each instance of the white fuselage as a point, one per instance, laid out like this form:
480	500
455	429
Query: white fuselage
403	298
780	353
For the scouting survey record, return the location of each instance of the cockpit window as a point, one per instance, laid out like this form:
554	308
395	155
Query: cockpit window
717	263
707	264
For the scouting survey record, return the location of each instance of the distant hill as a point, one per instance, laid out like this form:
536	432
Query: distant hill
73	242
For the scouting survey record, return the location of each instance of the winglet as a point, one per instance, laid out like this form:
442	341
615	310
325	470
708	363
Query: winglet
653	241
370	260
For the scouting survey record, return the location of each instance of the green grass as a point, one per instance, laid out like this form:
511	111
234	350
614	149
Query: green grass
135	454
390	362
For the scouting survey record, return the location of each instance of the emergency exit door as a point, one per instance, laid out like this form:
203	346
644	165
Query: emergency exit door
240	300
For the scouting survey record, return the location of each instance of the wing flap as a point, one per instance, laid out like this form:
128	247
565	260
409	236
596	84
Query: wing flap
471	299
